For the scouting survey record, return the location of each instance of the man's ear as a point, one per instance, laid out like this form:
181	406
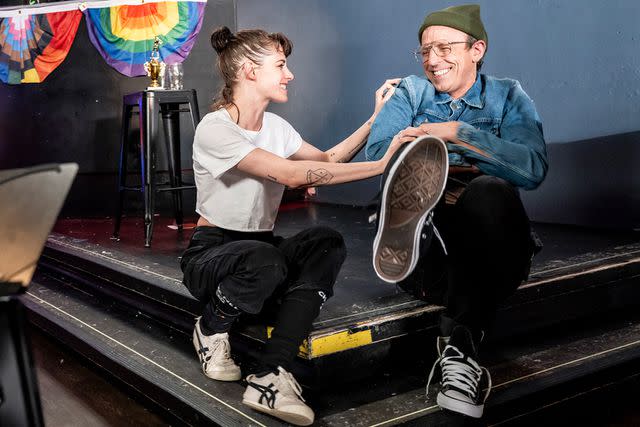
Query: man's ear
478	49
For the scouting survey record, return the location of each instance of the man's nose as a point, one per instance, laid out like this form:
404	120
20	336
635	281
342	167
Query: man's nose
432	58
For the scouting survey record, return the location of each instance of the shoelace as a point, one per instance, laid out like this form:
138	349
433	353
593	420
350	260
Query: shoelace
221	351
460	373
429	221
288	378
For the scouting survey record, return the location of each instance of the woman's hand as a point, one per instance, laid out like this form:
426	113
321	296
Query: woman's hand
383	94
404	136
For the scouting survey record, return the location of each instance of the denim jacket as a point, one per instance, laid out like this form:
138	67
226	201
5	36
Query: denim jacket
497	116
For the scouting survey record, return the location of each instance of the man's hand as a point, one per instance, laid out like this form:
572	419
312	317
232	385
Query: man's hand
404	136
446	131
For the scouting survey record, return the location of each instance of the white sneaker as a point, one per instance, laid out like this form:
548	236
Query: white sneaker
278	395
215	355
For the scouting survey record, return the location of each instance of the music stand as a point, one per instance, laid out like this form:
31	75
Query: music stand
30	200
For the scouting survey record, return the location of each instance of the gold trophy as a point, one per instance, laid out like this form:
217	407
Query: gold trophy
154	66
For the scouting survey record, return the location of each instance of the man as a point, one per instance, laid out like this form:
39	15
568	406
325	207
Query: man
479	250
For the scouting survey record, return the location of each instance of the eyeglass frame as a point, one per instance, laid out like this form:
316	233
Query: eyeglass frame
419	56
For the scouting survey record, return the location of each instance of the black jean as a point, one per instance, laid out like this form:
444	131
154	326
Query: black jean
251	267
488	240
258	272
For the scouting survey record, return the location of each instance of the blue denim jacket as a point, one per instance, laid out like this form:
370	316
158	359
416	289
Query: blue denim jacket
498	117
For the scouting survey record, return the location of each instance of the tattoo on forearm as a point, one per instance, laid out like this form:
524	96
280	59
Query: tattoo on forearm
318	177
350	154
272	178
357	148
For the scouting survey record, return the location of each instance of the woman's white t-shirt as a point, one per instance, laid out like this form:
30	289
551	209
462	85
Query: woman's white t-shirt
226	196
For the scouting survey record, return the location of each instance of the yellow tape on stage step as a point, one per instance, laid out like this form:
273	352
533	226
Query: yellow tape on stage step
334	343
341	341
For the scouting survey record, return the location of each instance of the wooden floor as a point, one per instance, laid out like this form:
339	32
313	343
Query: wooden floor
73	394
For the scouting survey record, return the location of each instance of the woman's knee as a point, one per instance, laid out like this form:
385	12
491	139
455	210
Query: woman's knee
267	261
330	240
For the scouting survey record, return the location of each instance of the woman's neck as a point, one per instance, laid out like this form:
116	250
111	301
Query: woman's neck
248	111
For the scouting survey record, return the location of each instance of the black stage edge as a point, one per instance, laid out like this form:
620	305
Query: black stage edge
367	358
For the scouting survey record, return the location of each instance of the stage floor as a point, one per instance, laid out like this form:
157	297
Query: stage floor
579	273
358	292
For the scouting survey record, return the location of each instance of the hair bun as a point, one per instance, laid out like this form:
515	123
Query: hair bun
220	38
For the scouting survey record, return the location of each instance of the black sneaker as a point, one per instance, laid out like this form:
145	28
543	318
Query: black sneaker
411	189
464	385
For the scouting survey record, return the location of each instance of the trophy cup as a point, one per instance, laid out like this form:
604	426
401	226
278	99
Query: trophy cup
154	66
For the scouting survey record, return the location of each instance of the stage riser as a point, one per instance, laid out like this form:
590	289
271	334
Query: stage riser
542	303
374	402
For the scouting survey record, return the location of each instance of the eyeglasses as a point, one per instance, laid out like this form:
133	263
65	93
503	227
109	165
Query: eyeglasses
440	48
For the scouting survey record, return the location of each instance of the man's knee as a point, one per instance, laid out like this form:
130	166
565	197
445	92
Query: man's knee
488	185
489	199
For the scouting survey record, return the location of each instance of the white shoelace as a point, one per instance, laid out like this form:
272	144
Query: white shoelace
221	351
289	379
428	221
461	375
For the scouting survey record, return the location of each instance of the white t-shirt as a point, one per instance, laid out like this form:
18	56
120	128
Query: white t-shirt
230	198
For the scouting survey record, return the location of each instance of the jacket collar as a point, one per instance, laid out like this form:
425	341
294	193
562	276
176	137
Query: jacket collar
472	98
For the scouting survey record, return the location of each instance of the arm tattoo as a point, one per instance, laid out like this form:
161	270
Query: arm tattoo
273	178
318	177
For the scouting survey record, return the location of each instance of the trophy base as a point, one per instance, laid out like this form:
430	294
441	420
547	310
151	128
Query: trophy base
155	88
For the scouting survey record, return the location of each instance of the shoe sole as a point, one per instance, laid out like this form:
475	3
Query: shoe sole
413	187
219	376
299	420
460	407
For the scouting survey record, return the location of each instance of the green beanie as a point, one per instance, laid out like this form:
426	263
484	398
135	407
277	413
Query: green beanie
465	18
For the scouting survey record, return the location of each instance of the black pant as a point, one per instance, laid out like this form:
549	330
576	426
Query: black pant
489	248
249	269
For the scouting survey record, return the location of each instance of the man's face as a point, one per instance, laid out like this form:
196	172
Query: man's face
454	72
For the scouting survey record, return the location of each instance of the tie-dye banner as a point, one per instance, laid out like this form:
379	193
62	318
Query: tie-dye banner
34	45
35	40
124	35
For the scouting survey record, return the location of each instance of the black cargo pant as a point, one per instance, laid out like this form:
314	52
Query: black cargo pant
488	240
256	271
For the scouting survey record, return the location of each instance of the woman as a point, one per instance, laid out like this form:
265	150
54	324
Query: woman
243	158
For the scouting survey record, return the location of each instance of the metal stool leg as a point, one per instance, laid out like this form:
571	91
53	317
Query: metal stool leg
122	168
171	123
148	134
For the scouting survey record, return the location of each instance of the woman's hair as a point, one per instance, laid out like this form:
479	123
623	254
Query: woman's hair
235	49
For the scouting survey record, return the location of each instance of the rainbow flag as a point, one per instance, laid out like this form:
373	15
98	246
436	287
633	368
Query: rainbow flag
34	40
32	46
124	34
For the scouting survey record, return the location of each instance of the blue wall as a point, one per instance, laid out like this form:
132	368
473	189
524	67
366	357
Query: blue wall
578	59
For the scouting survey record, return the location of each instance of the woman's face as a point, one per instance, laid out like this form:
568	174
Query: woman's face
273	76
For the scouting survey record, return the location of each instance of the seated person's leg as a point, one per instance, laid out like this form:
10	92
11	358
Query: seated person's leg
231	278
489	250
314	258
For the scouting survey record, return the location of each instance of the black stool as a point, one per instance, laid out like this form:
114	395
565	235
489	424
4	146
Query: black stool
150	104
